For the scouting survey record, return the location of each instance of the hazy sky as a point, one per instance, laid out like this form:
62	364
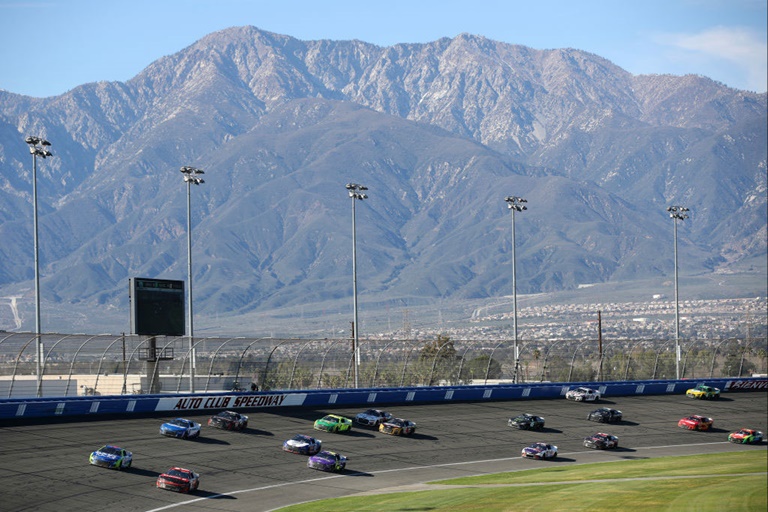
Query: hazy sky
50	46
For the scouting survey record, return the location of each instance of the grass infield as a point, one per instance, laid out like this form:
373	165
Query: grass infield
736	481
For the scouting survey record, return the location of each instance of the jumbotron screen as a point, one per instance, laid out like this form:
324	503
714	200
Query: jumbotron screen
157	307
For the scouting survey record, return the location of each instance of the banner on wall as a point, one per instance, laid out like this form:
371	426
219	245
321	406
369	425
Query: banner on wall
747	385
229	402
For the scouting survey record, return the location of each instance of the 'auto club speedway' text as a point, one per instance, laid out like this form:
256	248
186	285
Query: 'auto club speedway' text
229	402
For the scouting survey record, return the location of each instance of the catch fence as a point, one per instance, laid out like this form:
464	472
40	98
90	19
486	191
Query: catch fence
125	364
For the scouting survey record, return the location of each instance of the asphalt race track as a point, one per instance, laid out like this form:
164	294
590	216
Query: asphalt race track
45	466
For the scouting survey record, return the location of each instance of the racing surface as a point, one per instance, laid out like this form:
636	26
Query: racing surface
45	467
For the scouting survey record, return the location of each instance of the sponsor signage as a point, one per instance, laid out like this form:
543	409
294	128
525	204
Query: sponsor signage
194	403
747	385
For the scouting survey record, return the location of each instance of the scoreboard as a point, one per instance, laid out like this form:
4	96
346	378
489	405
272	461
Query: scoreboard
157	307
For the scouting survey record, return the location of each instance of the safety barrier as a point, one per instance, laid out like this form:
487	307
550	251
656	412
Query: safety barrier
372	397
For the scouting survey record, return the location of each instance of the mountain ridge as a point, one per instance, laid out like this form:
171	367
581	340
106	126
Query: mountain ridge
440	132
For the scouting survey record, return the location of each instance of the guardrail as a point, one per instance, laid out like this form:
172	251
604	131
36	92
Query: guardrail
371	397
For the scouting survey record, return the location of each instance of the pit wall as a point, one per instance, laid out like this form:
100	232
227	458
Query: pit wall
178	404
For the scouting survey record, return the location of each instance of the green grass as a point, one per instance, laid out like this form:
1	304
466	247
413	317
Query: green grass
663	487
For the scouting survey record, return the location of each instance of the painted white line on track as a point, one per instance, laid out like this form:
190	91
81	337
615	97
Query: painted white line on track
447	464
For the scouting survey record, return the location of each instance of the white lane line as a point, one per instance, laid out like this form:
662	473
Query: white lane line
447	464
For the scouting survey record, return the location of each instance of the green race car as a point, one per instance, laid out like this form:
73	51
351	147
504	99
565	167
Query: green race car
333	423
703	392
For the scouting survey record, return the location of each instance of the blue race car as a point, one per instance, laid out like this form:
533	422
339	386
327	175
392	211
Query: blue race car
109	456
184	429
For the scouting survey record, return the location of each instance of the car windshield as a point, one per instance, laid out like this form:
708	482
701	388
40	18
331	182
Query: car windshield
110	450
331	419
180	423
176	472
372	412
302	438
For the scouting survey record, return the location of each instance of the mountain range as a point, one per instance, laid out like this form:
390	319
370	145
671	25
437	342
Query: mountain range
440	133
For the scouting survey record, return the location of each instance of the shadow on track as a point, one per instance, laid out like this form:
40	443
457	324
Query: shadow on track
209	440
257	432
141	472
212	495
423	437
350	472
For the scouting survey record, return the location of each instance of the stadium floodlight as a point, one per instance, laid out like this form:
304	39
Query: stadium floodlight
677	213
37	148
355	193
515	204
191	177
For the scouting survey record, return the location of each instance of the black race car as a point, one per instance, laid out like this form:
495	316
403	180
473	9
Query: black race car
526	422
601	441
605	415
229	420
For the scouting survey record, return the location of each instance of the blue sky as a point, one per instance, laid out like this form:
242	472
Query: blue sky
50	46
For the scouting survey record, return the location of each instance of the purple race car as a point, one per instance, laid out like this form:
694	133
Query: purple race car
327	461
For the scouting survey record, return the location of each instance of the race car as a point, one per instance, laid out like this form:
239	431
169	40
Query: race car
303	445
372	417
398	427
540	451
109	456
327	461
601	441
703	392
583	394
746	436
229	420
526	422
695	422
605	415
179	480
333	423
185	429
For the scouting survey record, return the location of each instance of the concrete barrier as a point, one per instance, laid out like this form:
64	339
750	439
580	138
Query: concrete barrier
28	408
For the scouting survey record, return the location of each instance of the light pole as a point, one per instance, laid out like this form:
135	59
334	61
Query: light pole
515	204
355	192
191	177
37	147
677	213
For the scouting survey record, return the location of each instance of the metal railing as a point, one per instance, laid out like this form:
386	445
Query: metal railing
114	365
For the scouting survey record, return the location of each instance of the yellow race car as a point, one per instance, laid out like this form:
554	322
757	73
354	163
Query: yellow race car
703	392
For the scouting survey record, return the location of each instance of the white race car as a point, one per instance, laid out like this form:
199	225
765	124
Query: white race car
540	451
184	429
372	417
583	395
304	445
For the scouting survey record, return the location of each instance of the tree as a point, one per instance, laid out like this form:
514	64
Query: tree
438	361
478	367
